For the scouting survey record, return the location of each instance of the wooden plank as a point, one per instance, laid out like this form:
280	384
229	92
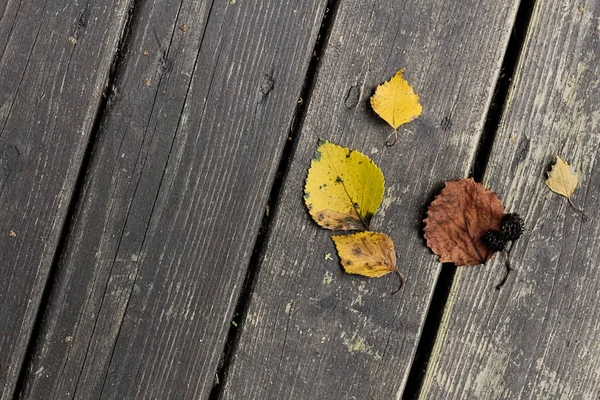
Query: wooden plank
537	337
172	204
312	331
55	57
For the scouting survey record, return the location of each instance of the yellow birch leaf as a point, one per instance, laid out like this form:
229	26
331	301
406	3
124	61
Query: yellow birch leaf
369	254
344	188
562	180
396	102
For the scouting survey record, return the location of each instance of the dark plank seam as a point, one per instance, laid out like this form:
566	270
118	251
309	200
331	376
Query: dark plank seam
73	203
152	211
507	72
445	279
123	229
122	47
168	158
297	120
165	54
75	198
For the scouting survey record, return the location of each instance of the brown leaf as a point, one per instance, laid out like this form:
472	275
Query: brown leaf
458	218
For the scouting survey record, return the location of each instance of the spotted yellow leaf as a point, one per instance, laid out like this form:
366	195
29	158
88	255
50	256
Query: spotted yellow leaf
396	102
563	180
369	254
344	188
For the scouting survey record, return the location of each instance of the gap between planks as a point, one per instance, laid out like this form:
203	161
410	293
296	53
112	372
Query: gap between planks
441	292
296	123
76	197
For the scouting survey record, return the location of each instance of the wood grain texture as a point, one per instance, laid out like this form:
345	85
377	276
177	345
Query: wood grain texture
172	203
538	337
311	331
55	57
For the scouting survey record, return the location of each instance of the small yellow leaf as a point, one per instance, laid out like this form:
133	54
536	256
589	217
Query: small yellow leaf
396	102
344	188
562	180
369	254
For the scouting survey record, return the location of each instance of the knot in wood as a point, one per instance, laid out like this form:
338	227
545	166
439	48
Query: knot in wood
352	97
266	85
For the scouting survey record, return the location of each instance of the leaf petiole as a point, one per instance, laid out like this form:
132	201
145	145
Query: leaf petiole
575	207
387	142
507	269
402	280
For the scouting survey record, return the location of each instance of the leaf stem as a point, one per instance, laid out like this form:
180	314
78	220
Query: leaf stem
507	270
575	207
387	142
507	267
402	280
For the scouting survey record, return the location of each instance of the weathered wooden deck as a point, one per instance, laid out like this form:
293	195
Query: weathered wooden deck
141	141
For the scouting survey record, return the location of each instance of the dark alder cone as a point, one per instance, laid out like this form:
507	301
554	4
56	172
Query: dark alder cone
495	240
512	226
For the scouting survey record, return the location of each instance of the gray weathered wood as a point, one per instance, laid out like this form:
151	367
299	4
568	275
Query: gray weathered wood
171	207
539	336
313	332
55	57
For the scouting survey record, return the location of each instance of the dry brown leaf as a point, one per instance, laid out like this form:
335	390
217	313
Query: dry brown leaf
563	180
396	102
457	220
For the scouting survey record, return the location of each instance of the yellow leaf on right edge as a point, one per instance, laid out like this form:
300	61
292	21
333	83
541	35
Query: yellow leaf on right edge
369	254
396	102
561	179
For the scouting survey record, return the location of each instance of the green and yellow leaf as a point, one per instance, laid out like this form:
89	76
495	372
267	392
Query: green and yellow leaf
344	188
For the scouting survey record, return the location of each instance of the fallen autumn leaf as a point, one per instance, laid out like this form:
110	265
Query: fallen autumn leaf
563	180
369	254
396	102
344	188
458	219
